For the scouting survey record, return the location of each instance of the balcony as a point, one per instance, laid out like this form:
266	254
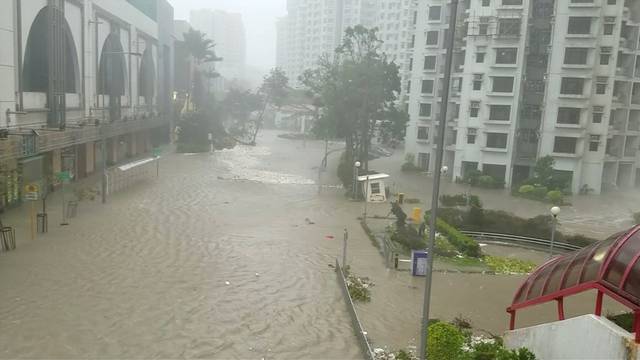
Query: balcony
584	4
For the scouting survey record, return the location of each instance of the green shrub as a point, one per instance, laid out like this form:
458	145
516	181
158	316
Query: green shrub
625	320
444	342
409	238
471	177
460	200
359	288
486	181
443	247
539	192
579	240
525	189
636	217
409	163
463	243
555	197
486	351
520	354
345	171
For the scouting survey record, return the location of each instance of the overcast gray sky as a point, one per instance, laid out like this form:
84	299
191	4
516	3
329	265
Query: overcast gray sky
259	18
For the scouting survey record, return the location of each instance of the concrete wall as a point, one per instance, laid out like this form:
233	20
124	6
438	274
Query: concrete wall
583	337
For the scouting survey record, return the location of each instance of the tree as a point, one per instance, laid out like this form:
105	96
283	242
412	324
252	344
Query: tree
237	110
356	88
202	51
543	171
274	90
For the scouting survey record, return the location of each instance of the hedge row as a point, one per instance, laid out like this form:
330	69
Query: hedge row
463	243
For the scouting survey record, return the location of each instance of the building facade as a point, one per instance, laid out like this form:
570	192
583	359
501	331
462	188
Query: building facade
80	74
530	79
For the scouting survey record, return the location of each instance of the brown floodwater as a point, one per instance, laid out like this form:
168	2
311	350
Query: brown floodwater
223	256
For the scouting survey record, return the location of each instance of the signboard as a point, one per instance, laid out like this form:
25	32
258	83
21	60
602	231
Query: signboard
63	176
31	196
418	263
31	188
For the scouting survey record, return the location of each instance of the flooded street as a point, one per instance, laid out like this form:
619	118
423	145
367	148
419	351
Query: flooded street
225	256
189	265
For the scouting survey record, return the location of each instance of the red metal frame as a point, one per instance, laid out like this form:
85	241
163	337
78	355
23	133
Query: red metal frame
616	292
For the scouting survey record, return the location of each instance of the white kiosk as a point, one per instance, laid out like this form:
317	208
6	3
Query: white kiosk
373	187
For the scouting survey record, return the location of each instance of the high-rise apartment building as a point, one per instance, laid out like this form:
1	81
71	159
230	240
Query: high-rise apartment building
228	33
530	79
313	28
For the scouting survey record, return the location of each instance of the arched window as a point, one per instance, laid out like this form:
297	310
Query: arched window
147	76
111	74
35	71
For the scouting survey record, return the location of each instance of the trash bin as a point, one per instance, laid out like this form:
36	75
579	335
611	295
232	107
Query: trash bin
401	198
43	223
72	209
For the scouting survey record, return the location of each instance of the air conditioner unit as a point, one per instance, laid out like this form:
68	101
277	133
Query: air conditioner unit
594	138
598	109
603	79
475	105
606	50
609	19
472	131
477	76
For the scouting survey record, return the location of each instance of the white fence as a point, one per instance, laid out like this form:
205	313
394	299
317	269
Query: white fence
122	177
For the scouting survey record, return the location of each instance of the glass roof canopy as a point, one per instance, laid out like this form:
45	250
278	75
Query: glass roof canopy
611	267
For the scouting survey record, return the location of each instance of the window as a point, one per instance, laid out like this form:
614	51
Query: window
423	133
506	55
425	110
474	109
567	115
596	116
604	59
413	41
471	135
480	57
375	188
594	142
477	82
601	85
511	2
410	64
409	86
608	29
576	56
579	25
497	140
499	112
430	62
503	84
565	145
611	2
486	3
434	12
572	86
484	29
432	37
427	86
509	27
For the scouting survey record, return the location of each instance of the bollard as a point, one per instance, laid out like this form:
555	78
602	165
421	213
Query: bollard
400	198
395	262
43	223
344	248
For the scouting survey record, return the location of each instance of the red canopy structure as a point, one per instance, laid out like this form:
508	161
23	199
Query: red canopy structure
611	267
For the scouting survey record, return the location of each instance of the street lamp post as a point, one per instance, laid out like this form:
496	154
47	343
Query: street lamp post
356	167
435	194
554	212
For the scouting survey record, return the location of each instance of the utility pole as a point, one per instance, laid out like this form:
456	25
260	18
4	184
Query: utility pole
436	180
103	155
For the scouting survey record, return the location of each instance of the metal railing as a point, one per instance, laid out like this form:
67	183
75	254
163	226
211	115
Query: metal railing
520	240
357	325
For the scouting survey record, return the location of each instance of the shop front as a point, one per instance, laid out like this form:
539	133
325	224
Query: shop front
9	184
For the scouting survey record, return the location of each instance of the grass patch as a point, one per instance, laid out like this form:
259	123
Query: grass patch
370	234
502	265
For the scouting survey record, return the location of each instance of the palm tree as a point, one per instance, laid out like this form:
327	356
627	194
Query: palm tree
202	51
